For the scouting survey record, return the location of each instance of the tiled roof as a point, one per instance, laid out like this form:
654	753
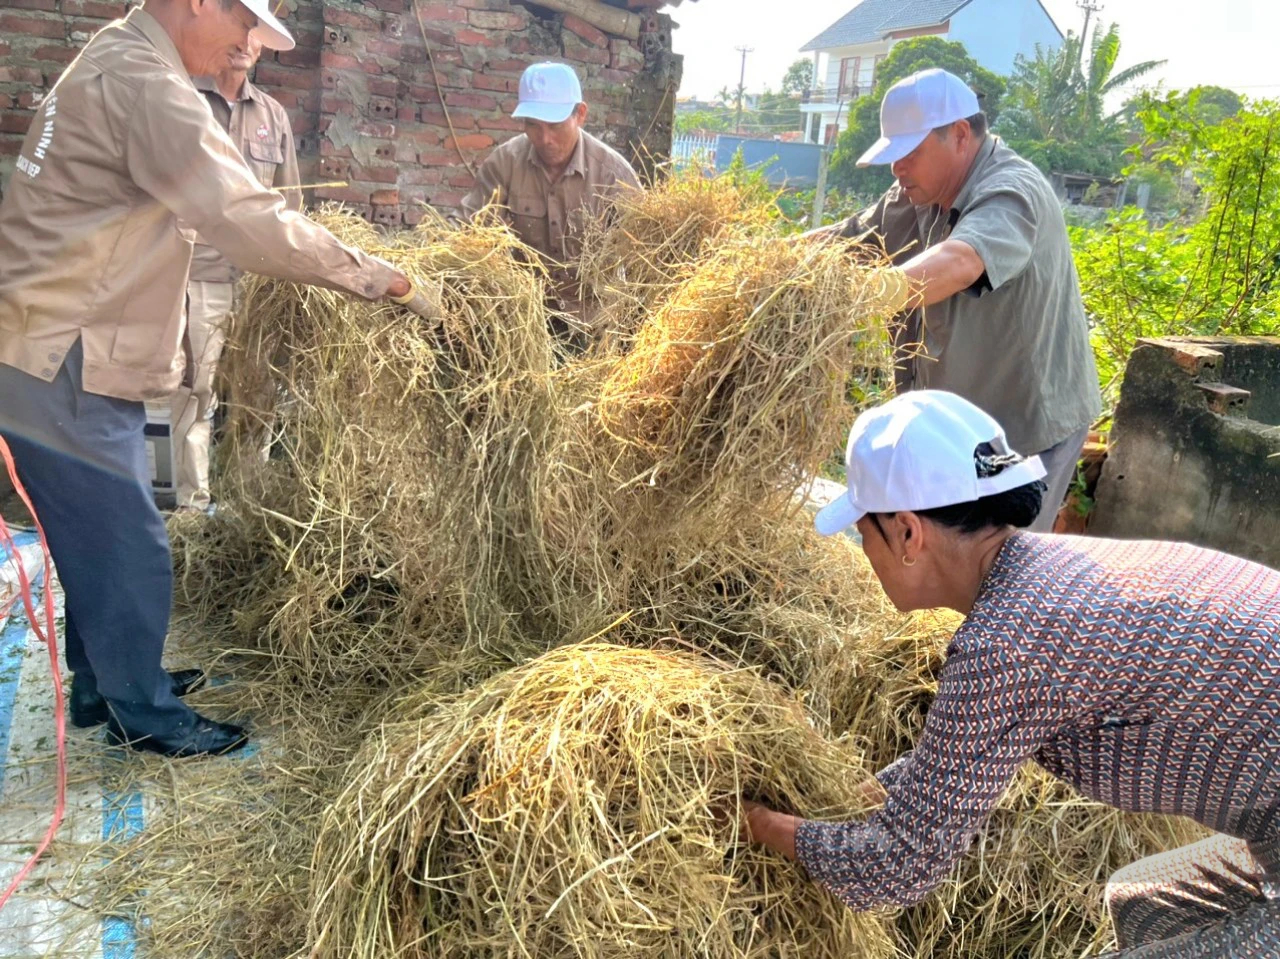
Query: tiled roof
870	20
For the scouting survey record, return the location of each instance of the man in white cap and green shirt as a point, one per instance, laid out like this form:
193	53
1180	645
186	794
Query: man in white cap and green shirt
553	177
93	279
995	313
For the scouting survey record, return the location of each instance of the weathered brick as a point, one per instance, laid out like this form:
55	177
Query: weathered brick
299	56
386	48
406	115
476	38
463	181
53	53
483	81
82	28
376	174
349	18
6	101
15	23
491	20
424	175
21	75
271	76
343	194
380	130
384	86
32	4
341	61
93	8
435	12
447	199
576	50
336	103
477	100
592	35
503	124
10	145
469	141
15	121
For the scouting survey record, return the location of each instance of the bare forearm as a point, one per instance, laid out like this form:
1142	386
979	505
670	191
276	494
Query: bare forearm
942	271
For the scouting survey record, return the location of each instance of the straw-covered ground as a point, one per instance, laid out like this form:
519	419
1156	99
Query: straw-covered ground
519	629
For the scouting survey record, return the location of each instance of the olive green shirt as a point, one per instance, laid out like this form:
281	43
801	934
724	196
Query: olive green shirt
1016	343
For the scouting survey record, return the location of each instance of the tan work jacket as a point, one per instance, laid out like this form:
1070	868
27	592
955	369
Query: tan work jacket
260	127
550	216
90	245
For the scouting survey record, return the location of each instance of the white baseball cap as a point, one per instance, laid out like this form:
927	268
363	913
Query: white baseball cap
269	31
916	106
916	452
548	92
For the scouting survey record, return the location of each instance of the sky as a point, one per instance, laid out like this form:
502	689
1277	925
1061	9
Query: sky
1230	43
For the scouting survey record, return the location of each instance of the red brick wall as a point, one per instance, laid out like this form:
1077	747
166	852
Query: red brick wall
364	97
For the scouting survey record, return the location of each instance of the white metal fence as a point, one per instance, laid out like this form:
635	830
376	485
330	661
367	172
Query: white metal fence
688	150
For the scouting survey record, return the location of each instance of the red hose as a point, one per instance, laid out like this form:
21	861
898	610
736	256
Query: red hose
48	635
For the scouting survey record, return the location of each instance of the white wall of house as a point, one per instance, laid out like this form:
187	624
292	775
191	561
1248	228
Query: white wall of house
839	70
996	31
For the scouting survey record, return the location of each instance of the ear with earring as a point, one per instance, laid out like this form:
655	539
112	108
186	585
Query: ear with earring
906	563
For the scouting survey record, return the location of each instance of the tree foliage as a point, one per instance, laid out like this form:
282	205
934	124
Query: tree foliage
1217	275
799	78
1055	113
906	58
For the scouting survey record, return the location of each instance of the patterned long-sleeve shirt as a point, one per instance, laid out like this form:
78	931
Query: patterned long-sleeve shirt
1145	674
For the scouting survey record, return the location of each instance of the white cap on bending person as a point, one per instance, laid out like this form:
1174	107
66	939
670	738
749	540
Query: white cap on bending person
917	452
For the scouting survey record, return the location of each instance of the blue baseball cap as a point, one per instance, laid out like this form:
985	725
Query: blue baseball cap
549	92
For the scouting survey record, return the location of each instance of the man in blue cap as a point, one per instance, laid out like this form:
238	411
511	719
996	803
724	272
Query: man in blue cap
994	312
554	177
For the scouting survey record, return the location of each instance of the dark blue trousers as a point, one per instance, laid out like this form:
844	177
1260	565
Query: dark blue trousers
82	458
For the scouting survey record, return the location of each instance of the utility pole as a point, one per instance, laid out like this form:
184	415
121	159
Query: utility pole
742	82
1090	7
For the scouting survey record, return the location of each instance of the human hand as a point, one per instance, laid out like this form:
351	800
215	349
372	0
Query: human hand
763	826
399	287
420	300
898	290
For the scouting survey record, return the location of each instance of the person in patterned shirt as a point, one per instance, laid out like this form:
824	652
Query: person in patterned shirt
1145	674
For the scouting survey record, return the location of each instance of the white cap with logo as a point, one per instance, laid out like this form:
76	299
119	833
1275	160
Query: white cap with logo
916	106
916	452
549	92
269	31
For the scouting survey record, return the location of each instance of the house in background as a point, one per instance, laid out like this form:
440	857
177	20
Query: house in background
846	54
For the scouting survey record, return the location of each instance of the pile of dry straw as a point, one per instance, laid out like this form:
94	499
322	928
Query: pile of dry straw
521	629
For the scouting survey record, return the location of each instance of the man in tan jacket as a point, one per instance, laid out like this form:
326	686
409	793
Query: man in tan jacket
552	178
259	126
93	275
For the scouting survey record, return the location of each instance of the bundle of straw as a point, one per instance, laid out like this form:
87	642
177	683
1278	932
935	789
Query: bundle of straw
633	258
738	384
584	804
400	499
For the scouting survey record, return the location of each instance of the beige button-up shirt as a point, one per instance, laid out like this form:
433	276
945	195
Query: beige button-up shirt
260	127
550	216
90	245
